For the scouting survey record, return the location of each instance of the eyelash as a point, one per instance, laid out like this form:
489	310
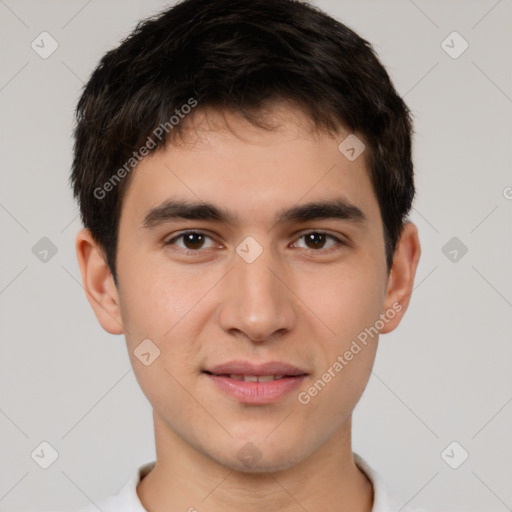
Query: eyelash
338	246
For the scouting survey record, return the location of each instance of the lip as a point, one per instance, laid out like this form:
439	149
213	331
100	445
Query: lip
246	368
257	393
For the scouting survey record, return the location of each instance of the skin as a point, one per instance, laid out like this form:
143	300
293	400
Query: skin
298	302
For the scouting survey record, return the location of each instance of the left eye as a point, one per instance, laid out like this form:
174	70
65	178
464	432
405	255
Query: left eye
316	240
194	240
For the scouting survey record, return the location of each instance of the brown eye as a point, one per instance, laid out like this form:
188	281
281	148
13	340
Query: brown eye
190	240
193	240
320	241
315	240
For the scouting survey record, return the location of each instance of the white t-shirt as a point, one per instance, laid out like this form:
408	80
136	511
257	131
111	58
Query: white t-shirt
128	501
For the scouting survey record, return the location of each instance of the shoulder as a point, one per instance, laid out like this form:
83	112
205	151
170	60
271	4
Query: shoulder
385	499
126	500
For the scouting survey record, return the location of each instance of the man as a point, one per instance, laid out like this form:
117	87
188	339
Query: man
244	175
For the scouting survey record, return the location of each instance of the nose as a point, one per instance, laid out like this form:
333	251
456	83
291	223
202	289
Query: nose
257	301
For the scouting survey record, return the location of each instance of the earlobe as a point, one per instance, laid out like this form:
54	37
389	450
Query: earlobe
98	282
401	278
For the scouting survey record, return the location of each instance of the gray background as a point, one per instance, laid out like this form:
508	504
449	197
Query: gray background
443	376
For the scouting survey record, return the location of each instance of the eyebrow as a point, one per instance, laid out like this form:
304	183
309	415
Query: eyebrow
171	209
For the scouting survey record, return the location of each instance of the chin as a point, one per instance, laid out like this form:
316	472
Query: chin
260	457
262	466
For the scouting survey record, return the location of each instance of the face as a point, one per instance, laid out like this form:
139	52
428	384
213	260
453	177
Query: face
281	273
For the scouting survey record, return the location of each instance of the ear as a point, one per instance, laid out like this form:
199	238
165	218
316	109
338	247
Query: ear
98	282
401	277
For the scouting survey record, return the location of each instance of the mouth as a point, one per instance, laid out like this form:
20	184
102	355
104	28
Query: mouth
274	369
256	384
253	378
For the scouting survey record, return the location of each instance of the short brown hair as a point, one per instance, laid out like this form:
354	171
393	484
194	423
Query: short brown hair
237	55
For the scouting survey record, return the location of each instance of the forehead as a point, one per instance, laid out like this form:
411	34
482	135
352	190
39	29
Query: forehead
252	172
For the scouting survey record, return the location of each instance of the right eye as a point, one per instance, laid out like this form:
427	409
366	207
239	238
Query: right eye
192	241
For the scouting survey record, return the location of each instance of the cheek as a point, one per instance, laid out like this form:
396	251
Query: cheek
348	302
156	298
166	311
344	301
171	309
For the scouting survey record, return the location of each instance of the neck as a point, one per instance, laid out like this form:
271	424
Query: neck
184	478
